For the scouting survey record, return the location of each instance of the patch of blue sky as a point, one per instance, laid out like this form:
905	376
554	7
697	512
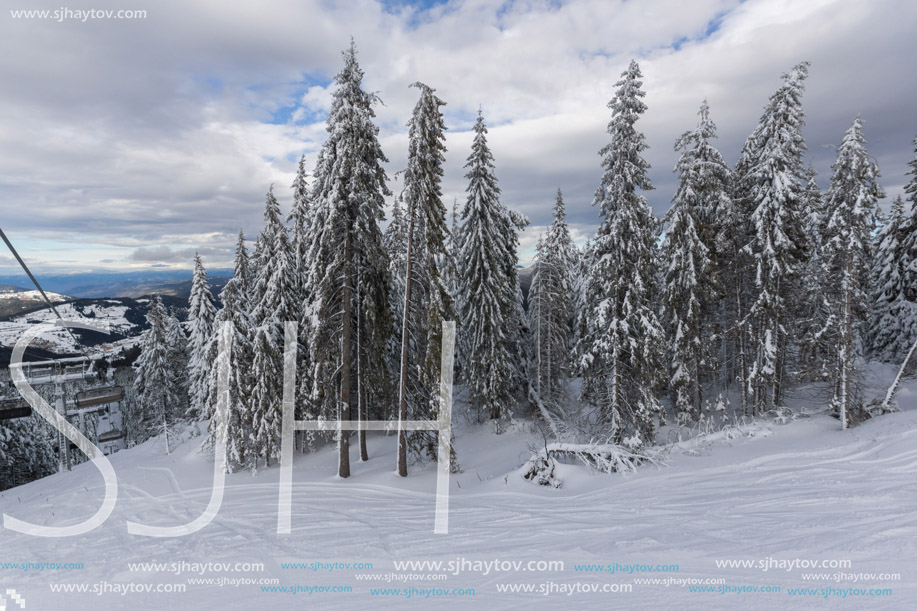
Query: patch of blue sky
712	27
420	11
293	110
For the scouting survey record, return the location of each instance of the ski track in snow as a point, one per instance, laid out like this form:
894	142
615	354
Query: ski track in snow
807	491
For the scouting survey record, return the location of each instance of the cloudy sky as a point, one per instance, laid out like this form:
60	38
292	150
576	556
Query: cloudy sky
132	143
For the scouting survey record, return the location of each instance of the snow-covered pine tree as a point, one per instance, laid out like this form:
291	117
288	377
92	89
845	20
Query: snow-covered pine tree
893	324
550	312
273	303
300	229
265	399
770	188
242	270
395	239
154	383
894	321
301	237
816	351
426	302
909	229
451	278
201	312
177	340
26	453
238	425
691	284
489	290
851	206
620	336
348	195
274	285
235	311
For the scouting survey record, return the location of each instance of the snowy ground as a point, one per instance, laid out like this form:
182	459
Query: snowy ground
778	496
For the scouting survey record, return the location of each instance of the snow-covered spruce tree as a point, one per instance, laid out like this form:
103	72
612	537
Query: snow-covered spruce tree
851	206
200	330
25	452
348	195
154	383
550	312
238	423
909	228
426	302
302	232
235	310
177	340
265	397
451	278
395	239
300	229
274	282
620	336
489	290
893	324
242	270
273	303
691	280
131	410
770	175
816	351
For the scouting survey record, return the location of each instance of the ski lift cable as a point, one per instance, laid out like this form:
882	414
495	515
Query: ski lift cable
41	290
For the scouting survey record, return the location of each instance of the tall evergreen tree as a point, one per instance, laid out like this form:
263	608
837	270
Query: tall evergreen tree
451	278
273	302
814	310
26	453
488	294
301	227
177	340
274	285
201	312
155	383
618	352
302	232
550	313
349	191
770	175
851	207
426	301
242	269
237	425
893	325
910	231
694	311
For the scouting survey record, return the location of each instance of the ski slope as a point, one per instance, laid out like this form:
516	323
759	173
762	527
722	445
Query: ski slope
776	496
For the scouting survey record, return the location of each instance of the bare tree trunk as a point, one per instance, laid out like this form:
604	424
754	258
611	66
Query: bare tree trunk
361	405
403	382
743	361
344	436
846	349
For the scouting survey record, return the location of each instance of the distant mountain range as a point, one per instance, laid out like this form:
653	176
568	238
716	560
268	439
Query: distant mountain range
115	296
125	316
15	299
118	284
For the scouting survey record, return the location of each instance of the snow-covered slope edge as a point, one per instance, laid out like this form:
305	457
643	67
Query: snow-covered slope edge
786	496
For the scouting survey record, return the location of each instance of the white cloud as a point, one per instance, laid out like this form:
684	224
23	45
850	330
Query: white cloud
158	132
